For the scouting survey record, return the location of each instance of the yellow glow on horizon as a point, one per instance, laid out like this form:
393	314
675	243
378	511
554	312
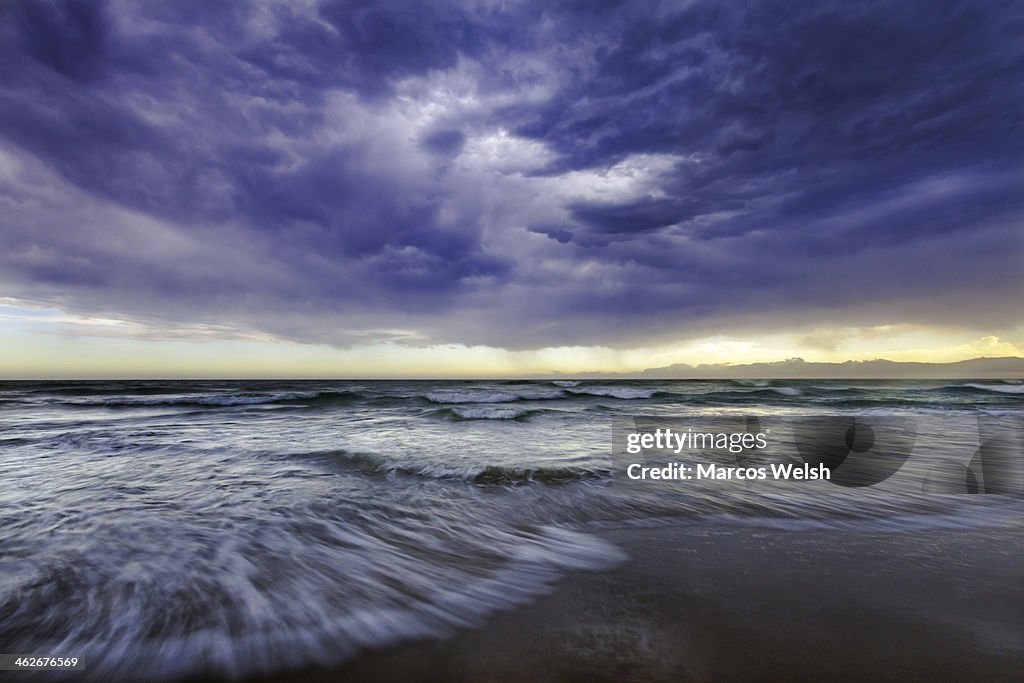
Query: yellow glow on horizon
51	344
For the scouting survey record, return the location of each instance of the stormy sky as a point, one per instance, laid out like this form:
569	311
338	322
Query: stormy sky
513	175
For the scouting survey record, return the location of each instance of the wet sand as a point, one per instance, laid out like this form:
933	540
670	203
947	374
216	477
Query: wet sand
721	603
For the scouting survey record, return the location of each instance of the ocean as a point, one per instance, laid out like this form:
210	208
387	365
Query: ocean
165	529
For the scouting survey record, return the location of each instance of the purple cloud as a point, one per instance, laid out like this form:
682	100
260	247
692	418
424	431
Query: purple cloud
517	174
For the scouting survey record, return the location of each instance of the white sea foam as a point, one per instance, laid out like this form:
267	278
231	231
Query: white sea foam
490	412
785	391
450	397
623	393
998	388
470	397
288	623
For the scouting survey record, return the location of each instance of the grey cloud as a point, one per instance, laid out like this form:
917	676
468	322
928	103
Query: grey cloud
308	171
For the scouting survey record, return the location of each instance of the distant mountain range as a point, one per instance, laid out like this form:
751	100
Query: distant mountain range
797	368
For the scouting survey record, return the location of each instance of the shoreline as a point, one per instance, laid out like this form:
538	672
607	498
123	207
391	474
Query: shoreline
717	602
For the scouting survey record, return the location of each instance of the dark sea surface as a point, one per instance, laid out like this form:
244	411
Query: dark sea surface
161	529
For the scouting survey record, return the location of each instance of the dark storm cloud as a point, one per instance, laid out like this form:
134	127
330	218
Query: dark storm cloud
516	174
447	142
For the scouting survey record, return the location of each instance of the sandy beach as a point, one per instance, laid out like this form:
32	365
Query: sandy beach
720	603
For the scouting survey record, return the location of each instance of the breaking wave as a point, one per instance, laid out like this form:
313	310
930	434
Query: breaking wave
485	412
490	396
997	388
473	473
142	613
751	382
623	393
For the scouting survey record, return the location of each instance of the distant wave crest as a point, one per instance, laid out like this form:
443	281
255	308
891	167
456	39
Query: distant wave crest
450	397
624	393
476	473
997	388
485	412
751	382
